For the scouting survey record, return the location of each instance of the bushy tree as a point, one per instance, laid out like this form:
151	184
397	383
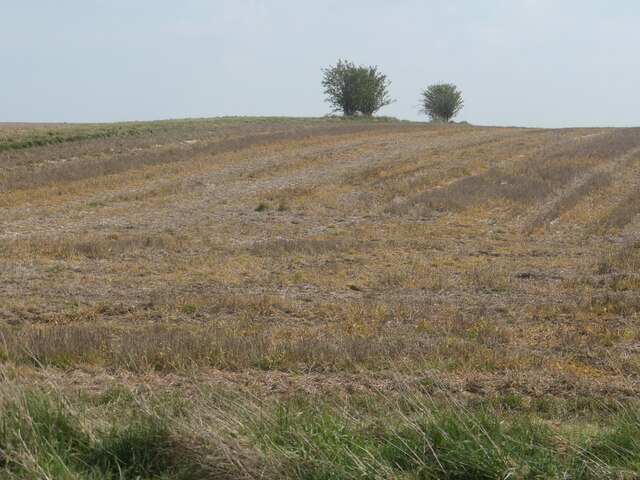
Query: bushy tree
441	101
355	90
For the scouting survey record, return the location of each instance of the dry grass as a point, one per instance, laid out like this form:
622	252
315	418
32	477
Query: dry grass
98	247
621	214
485	254
592	183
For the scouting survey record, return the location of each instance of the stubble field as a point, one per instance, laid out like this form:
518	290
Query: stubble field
318	298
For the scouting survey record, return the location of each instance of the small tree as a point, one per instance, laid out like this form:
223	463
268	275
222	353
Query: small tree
441	101
355	90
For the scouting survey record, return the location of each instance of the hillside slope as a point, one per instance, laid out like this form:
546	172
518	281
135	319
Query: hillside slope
322	256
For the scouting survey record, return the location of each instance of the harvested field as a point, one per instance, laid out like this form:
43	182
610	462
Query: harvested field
273	263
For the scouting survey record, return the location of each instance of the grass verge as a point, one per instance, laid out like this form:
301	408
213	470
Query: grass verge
125	434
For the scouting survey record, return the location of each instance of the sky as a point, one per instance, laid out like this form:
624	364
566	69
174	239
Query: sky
534	63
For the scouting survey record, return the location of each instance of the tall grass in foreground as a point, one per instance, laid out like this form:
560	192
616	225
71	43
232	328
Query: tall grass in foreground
45	436
421	439
123	434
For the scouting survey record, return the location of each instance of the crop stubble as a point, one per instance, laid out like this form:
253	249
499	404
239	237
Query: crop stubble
473	252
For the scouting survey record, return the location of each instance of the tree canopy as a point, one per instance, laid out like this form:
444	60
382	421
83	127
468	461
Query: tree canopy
441	101
355	90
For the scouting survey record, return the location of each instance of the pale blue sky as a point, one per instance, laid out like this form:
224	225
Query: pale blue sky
518	62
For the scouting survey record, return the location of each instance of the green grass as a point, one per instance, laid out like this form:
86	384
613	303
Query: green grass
422	439
38	136
262	207
43	436
54	134
123	434
365	119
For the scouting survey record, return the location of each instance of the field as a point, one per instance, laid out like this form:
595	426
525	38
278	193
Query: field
318	298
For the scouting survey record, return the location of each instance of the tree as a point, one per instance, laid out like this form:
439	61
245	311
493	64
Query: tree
441	101
355	90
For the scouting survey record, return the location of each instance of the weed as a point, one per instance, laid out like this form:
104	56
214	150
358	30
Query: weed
97	203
